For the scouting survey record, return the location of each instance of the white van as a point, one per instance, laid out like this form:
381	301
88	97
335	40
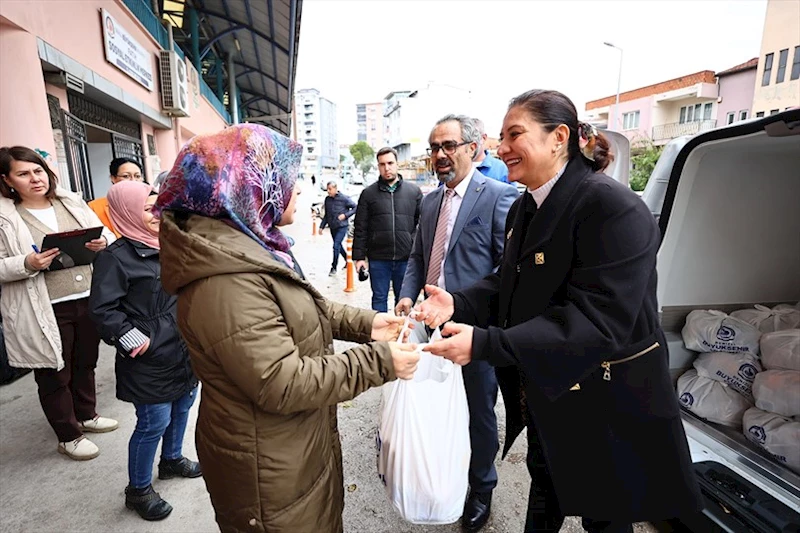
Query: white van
730	226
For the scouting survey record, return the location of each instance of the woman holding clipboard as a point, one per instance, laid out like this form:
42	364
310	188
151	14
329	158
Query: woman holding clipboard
45	312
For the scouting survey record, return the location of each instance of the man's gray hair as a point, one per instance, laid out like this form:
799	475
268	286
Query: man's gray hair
331	183
479	124
469	133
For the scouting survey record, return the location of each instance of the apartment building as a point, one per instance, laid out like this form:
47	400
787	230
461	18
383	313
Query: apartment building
316	130
662	111
736	92
777	83
410	115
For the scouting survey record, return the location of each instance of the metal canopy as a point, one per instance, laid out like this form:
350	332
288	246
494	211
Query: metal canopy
263	37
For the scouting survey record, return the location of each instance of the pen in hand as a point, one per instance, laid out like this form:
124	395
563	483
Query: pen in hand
35	248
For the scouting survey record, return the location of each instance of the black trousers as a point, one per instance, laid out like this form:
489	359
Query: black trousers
68	395
544	514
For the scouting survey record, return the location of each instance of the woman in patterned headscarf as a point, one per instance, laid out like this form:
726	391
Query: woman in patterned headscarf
261	337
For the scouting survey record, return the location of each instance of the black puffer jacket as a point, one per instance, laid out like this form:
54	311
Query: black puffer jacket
127	293
386	221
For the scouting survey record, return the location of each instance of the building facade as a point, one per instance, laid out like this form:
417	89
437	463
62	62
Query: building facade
777	83
660	112
87	81
361	122
410	115
317	132
736	92
374	126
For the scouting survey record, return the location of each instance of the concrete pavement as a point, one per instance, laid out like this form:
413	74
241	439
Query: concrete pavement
43	491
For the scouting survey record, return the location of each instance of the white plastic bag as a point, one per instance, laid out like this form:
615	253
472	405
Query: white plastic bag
787	306
781	350
712	400
423	441
767	320
714	331
779	435
738	370
778	391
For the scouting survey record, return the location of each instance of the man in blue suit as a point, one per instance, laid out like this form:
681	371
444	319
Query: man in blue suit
460	241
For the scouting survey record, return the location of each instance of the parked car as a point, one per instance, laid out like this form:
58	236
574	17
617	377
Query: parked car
730	223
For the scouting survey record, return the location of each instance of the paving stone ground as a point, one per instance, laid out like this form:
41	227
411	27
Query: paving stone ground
42	491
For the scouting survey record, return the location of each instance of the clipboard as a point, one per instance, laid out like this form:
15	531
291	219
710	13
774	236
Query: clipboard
72	247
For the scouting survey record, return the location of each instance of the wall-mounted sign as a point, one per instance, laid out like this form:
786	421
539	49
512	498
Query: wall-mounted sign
125	53
194	84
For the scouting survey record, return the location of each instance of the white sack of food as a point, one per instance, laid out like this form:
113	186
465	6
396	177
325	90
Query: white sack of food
788	306
778	391
714	331
738	370
768	320
780	350
712	400
423	439
778	435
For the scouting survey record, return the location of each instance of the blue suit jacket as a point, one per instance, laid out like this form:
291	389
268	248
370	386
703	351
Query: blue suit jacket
476	245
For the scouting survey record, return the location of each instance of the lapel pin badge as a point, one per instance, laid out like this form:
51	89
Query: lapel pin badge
577	386
539	258
510	233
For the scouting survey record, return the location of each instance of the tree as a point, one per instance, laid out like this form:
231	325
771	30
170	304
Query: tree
643	163
363	155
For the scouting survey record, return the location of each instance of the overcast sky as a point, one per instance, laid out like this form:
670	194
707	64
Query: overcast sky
357	51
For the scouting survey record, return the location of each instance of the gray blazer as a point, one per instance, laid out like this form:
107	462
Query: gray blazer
476	245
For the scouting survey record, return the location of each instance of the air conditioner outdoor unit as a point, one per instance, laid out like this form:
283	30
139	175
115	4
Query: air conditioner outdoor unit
174	84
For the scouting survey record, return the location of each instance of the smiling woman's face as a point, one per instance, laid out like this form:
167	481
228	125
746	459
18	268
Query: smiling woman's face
525	147
150	220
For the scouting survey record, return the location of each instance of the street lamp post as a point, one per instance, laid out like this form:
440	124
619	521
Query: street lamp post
619	81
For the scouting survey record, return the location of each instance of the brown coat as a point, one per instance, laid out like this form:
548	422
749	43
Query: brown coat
261	342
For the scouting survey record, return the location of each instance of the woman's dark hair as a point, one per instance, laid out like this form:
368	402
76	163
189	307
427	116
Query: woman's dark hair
113	168
551	109
22	153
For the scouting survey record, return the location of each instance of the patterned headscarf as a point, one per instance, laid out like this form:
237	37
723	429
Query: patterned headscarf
245	174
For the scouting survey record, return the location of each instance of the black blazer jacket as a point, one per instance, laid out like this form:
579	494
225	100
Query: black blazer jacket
570	322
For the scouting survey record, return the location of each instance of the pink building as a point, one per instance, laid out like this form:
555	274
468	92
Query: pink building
662	111
736	88
90	80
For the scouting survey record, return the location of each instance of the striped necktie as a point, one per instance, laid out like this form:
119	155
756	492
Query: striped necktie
440	239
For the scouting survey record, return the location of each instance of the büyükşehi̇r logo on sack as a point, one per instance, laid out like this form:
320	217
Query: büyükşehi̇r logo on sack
687	399
726	334
758	433
748	372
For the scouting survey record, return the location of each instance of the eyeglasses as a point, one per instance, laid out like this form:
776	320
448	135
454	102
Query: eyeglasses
448	147
137	177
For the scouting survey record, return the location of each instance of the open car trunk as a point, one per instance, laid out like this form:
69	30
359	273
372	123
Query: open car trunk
730	226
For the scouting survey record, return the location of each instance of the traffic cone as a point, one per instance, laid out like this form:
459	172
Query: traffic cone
350	267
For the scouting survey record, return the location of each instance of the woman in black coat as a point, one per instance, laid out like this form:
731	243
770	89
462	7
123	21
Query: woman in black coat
134	313
571	324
